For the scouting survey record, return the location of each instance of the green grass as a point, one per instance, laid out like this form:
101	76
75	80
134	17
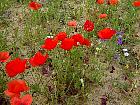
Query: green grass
67	72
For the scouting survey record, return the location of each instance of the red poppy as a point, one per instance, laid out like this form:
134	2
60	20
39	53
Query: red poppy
106	33
25	100
77	38
100	1
72	23
86	42
15	67
112	2
11	94
102	15
67	44
88	25
38	59
136	3
34	5
4	56
50	43
15	87
61	35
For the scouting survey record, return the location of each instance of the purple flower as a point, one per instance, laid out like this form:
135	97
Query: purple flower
104	100
119	33
116	57
120	41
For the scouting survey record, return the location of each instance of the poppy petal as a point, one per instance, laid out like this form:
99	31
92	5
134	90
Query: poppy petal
78	38
112	2
27	99
86	42
61	35
4	56
15	67
88	25
106	33
72	23
11	94
136	3
67	44
15	101
38	59
17	86
34	5
100	1
102	15
50	43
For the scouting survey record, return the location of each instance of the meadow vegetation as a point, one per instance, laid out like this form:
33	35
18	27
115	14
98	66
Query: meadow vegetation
105	72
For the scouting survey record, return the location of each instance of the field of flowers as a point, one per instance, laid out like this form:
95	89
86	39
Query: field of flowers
69	52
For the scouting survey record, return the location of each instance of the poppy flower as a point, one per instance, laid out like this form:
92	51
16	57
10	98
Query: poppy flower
102	15
88	25
67	44
15	87
4	56
50	43
112	2
136	3
34	5
77	38
72	23
106	33
100	1
11	94
61	35
15	67
86	42
38	59
25	100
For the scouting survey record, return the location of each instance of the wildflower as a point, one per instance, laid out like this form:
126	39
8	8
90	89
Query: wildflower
15	67
106	33
98	49
120	41
25	100
136	3
102	15
126	66
119	33
15	87
104	100
82	82
116	57
34	5
100	1
50	37
86	42
50	43
125	50
112	2
67	44
77	38
4	56
72	23
61	35
126	54
38	59
88	25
